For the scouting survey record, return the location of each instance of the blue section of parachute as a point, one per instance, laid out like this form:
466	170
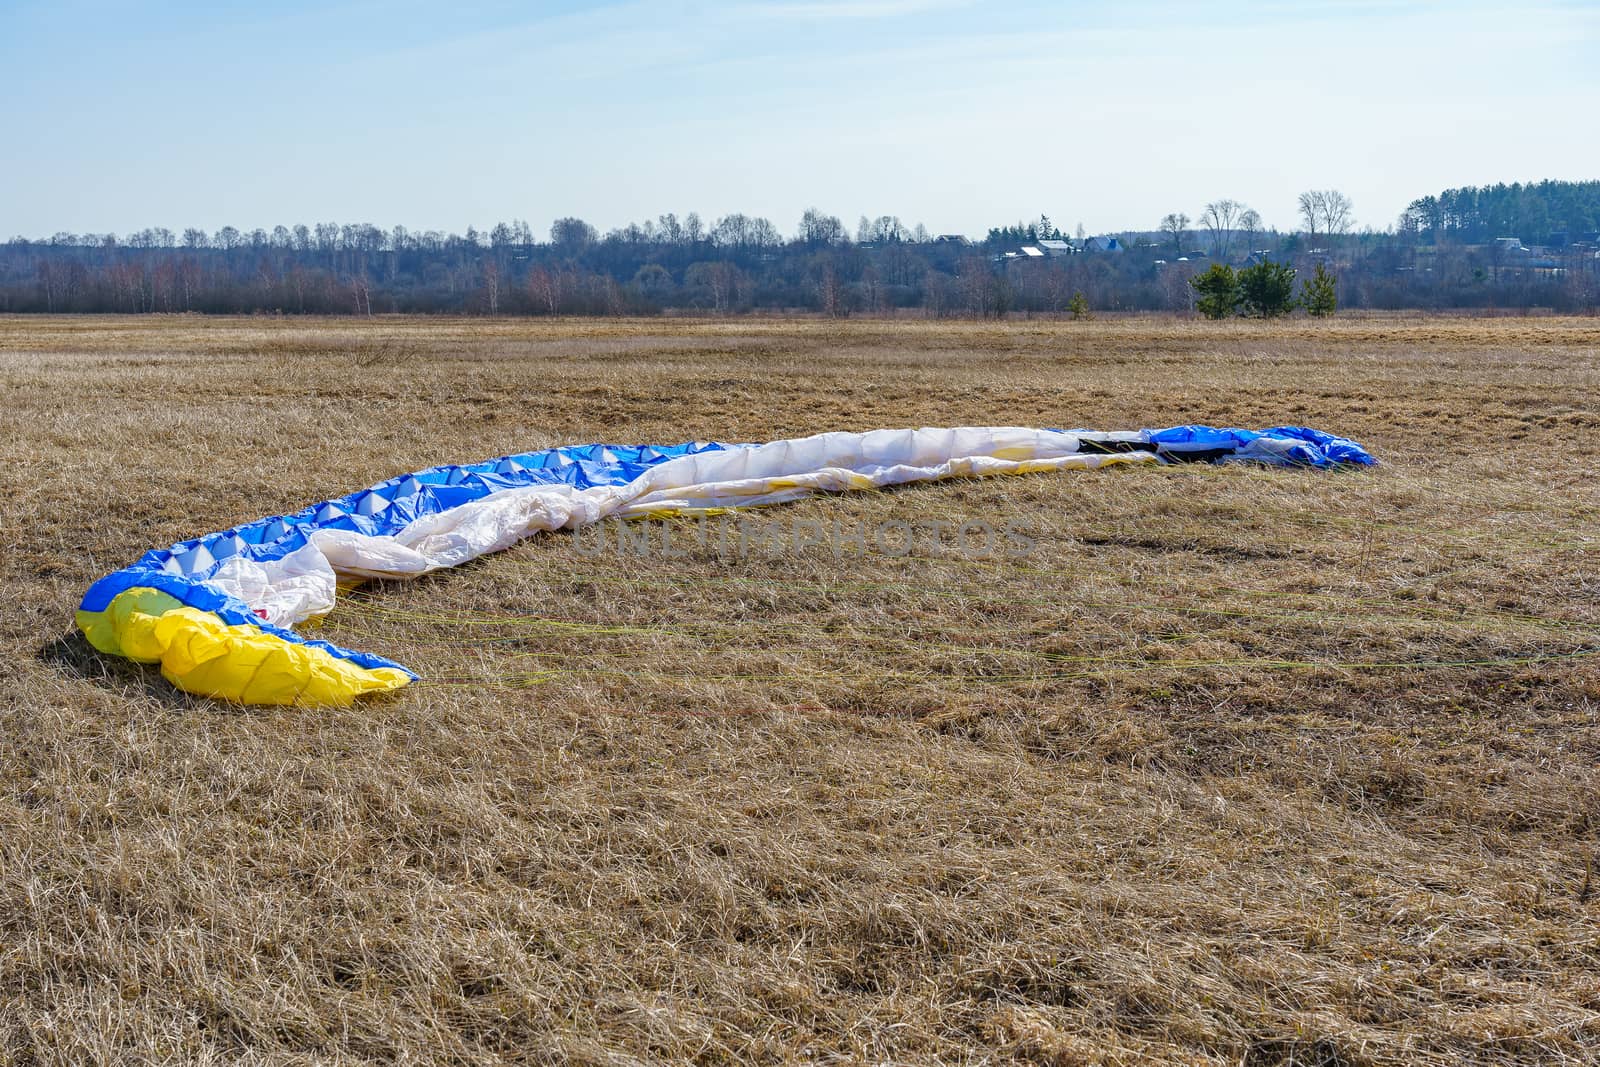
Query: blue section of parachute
1283	446
388	507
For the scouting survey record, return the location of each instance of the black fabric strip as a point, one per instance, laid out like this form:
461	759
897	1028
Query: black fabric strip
1107	448
1193	455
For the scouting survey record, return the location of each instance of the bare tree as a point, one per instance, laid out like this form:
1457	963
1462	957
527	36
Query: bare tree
744	231
545	286
1219	218
733	231
721	279
1337	213
817	229
1176	226
49	283
830	293
1327	210
669	229
653	280
361	292
1176	292
1311	210
1250	224
491	285
941	295
885	229
572	236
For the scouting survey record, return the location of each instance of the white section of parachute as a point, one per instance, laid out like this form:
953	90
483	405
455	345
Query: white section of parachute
303	584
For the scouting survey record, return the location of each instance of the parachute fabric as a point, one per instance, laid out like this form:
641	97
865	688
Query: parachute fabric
217	613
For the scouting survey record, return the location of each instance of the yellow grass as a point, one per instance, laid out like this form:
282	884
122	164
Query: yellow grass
1235	766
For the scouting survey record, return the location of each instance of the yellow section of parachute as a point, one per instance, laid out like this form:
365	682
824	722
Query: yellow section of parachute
201	654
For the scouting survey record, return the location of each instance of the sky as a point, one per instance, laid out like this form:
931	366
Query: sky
958	114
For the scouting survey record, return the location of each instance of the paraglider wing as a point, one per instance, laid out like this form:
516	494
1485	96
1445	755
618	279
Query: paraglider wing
218	612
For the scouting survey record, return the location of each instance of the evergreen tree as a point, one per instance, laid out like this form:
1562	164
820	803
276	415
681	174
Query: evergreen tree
1318	294
1219	292
1266	290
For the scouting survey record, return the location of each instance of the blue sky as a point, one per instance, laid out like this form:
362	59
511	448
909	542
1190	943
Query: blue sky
956	114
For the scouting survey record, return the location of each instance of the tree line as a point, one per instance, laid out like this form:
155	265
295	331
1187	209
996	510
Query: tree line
736	263
1541	213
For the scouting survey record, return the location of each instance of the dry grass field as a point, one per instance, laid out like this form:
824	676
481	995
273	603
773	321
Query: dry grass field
1234	766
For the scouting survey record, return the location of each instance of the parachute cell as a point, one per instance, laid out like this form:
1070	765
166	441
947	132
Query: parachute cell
218	612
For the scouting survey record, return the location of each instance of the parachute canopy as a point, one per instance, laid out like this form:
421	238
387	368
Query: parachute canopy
218	612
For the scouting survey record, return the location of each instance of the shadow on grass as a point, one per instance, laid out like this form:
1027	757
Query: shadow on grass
73	655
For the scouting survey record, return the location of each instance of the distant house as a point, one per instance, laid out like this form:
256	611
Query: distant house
1512	244
951	239
1102	244
1039	251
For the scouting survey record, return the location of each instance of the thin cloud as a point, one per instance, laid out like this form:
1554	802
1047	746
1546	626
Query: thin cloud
854	9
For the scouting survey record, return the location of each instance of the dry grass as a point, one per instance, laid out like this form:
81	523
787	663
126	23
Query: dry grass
1260	767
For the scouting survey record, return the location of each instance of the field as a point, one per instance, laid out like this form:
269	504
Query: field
1206	765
